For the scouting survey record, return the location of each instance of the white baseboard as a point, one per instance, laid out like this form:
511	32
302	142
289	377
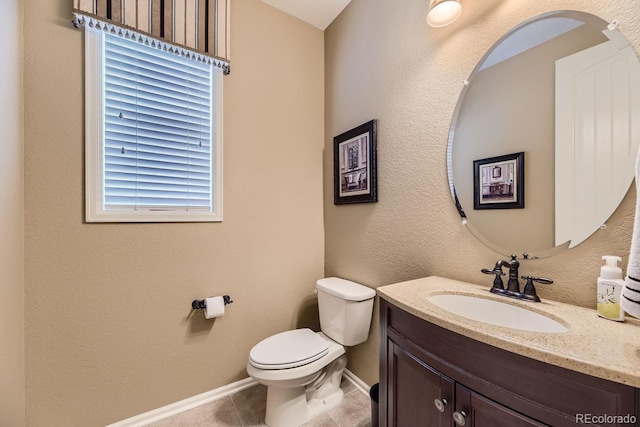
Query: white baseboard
209	396
357	382
186	404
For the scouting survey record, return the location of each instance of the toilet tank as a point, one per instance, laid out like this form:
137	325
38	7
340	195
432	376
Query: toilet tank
345	310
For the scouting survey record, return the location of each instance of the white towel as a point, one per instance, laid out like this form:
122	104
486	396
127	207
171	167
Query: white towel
630	300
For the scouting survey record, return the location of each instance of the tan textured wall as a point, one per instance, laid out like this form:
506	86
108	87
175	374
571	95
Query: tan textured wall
12	404
108	332
382	61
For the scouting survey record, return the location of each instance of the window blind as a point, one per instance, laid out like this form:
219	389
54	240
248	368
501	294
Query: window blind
157	129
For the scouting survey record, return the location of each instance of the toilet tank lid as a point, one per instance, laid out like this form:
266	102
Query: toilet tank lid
345	289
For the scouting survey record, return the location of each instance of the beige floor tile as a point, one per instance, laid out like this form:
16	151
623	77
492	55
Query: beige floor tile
251	404
324	420
247	409
354	411
220	413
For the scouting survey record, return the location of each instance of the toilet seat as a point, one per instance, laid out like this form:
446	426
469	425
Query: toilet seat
288	349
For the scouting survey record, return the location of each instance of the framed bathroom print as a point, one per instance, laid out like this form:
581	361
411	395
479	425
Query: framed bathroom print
498	182
354	165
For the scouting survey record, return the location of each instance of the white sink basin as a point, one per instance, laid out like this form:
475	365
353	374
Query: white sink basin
497	313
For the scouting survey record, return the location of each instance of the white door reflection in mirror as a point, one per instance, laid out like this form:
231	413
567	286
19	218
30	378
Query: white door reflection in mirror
597	135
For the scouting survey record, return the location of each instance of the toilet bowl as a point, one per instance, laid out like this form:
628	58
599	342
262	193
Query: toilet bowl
302	369
292	398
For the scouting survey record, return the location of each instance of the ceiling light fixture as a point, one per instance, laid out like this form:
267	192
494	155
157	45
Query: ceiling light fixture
443	12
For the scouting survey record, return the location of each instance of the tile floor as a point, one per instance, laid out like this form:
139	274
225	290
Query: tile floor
247	407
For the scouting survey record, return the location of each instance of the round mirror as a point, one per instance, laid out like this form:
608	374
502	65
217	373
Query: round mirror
544	137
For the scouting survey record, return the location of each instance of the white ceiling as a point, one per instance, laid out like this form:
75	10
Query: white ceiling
319	13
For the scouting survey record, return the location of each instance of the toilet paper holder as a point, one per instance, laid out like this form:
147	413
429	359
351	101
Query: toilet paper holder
200	304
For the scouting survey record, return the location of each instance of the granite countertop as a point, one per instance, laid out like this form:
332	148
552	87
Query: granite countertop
593	345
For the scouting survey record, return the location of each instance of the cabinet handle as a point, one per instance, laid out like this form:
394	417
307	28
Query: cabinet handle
440	404
459	417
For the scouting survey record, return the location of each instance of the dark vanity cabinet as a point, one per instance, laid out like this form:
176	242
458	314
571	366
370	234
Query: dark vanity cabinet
432	377
413	387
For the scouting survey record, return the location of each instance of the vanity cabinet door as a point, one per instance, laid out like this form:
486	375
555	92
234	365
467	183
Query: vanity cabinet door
474	410
418	396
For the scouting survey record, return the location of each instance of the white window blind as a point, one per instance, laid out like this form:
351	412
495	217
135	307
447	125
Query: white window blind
156	158
157	150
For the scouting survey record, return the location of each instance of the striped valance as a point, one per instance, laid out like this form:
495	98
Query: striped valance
198	25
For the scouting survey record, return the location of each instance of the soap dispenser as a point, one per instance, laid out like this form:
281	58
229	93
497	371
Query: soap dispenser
610	285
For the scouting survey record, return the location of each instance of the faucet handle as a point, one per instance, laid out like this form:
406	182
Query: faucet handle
497	272
529	291
543	280
498	284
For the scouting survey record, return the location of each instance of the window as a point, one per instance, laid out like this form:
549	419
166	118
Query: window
153	133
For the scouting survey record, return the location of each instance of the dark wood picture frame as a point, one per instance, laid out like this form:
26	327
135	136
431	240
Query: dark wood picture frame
498	182
355	177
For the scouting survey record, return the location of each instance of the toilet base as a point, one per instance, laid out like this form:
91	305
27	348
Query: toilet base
294	406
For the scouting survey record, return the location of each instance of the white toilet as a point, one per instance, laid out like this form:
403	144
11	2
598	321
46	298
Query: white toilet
302	369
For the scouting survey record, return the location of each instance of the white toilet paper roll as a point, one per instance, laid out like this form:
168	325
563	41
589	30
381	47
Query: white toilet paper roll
214	308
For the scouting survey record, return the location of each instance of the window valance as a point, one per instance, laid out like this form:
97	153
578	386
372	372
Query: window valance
197	25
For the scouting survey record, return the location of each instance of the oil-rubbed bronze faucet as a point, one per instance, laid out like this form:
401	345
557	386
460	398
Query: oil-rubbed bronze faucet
513	284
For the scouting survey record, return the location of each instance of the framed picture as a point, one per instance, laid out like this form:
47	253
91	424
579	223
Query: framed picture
498	182
354	165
